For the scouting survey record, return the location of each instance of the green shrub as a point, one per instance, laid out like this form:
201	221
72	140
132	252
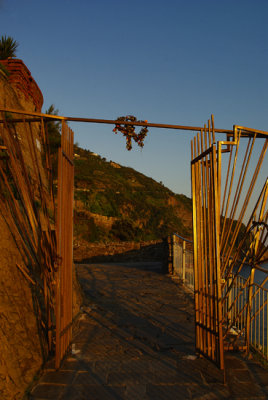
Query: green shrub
8	47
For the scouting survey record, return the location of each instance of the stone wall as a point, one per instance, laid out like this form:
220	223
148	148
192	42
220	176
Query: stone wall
22	82
155	250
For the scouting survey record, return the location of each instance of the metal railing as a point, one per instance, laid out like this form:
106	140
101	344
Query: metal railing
182	260
259	320
245	322
245	312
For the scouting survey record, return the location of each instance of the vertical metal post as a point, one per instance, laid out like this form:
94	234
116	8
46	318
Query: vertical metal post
183	260
59	266
64	298
229	301
174	253
170	255
218	261
249	305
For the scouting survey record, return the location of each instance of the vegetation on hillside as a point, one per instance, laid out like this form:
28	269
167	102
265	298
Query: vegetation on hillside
8	48
141	208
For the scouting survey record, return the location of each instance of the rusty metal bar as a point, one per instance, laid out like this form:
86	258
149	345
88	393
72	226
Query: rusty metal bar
206	218
64	244
114	122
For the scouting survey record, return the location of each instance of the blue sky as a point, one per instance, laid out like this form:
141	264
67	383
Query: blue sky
168	61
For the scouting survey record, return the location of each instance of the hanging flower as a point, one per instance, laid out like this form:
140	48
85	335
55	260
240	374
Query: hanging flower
129	131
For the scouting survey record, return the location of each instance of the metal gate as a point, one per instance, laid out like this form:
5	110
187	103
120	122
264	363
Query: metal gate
64	277
29	204
206	222
229	236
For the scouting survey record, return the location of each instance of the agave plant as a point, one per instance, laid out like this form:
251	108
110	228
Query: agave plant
8	47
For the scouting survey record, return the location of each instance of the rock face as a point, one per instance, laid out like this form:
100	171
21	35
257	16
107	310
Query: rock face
21	345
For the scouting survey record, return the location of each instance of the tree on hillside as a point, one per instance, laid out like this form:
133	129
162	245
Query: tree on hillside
8	47
54	139
53	130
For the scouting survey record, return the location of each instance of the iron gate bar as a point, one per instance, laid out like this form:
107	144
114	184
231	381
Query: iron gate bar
247	131
114	122
64	225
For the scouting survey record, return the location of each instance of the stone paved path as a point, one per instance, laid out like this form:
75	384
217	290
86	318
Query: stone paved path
135	340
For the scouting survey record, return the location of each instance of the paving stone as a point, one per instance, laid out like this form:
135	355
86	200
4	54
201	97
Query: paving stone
135	392
104	367
71	393
209	372
50	364
240	375
213	391
233	362
188	373
128	377
163	362
97	392
74	364
262	378
205	396
60	377
259	373
168	392
48	391
88	378
166	373
141	365
245	390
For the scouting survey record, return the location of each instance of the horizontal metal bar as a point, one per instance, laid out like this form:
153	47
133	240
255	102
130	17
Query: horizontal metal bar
17	120
185	240
247	131
112	122
260	287
202	155
251	130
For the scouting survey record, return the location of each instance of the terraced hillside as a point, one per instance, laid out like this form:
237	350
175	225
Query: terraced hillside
113	202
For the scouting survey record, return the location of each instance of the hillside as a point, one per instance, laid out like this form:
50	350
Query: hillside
116	203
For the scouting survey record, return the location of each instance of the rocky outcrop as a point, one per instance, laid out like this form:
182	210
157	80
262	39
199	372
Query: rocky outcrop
22	345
